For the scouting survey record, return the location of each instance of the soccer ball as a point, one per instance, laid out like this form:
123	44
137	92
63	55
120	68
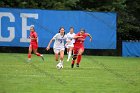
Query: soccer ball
59	66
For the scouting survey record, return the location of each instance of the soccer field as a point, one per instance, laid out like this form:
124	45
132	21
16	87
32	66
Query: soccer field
97	74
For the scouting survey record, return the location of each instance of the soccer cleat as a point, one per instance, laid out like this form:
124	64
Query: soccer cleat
29	60
72	65
61	65
67	60
77	65
42	57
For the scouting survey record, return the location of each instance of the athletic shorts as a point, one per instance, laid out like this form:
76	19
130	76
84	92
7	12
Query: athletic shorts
33	46
76	49
58	50
69	46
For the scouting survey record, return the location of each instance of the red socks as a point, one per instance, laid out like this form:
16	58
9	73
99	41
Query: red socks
73	61
79	58
29	55
38	54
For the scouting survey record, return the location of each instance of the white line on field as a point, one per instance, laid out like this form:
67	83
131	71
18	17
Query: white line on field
33	75
11	65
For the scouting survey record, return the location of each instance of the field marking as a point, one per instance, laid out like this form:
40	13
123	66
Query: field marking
22	65
34	75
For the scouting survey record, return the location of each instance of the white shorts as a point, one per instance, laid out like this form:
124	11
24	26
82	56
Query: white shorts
58	50
69	46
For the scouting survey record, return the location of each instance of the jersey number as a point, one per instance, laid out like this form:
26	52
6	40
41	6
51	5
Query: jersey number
60	40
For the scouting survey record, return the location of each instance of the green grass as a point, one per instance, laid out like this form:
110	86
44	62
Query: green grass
97	74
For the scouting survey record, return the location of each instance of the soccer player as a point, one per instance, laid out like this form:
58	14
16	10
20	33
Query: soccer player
58	46
79	46
70	40
33	44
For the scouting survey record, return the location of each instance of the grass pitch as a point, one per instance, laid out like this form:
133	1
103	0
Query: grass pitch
97	74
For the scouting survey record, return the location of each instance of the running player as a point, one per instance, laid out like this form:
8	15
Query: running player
70	41
79	46
58	46
33	44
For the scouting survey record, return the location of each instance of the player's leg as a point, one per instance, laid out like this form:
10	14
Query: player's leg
79	56
35	47
69	53
56	53
61	57
29	53
75	52
56	57
61	51
67	50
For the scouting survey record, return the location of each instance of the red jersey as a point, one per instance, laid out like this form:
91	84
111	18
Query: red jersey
33	35
80	41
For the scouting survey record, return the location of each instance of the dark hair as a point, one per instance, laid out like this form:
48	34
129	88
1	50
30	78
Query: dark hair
60	29
82	29
72	27
33	27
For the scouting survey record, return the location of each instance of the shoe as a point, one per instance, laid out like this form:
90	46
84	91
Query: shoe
67	60
29	60
61	65
72	65
42	57
77	65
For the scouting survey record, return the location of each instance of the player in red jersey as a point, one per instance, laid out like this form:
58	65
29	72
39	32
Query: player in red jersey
79	46
33	44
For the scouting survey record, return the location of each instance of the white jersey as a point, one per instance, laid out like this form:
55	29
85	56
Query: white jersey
59	41
70	38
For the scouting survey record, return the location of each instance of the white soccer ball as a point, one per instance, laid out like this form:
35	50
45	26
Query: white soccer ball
59	66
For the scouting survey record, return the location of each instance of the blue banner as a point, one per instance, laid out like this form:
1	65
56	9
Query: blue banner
131	49
15	24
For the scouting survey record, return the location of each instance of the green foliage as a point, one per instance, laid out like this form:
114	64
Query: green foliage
127	10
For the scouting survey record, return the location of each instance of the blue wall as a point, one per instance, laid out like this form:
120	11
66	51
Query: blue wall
101	25
131	49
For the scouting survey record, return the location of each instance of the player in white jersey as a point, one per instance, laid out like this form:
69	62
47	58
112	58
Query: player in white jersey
58	46
70	40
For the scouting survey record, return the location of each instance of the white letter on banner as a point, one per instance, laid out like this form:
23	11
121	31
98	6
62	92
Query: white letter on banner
25	27
11	29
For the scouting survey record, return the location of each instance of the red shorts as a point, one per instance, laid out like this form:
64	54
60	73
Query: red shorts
77	48
33	46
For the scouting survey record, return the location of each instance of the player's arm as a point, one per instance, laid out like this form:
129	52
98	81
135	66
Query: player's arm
90	37
48	47
67	41
76	36
33	38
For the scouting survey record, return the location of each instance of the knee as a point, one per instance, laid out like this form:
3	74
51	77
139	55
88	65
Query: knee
61	57
80	53
74	57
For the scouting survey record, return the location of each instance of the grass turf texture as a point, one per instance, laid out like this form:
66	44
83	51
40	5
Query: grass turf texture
97	74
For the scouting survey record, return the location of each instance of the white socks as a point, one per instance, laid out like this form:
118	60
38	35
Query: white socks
61	62
69	55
